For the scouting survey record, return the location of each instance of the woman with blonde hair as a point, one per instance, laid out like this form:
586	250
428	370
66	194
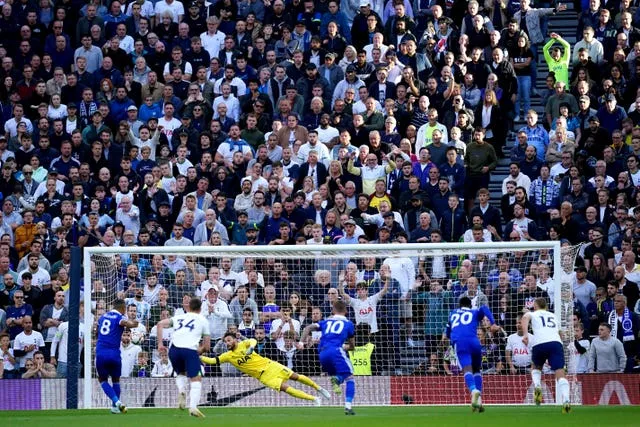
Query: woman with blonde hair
334	177
489	117
350	56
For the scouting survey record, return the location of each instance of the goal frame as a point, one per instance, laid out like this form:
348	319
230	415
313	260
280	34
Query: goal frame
430	249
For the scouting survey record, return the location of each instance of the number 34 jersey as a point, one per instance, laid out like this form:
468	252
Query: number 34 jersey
188	329
463	323
545	327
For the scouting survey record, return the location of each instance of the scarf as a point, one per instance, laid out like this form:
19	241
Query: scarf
627	325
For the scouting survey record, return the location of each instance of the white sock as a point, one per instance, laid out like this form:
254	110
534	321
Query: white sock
181	382
536	376
194	394
563	389
347	405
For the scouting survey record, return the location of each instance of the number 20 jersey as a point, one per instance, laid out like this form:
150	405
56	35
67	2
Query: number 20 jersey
463	323
188	329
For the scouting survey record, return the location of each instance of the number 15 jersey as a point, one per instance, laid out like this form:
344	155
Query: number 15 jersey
188	329
545	327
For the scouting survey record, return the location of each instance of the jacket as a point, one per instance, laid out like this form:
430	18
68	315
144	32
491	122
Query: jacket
453	223
47	313
533	22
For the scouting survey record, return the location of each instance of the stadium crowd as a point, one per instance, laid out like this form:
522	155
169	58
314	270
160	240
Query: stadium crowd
300	122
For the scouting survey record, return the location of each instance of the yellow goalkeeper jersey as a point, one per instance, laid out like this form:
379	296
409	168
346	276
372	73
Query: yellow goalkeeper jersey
253	365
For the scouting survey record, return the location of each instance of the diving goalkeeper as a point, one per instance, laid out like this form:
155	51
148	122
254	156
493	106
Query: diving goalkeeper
272	374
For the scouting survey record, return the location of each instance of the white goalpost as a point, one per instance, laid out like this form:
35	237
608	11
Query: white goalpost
401	357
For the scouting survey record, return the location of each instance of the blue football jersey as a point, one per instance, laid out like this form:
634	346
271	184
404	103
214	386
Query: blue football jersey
463	323
110	331
335	331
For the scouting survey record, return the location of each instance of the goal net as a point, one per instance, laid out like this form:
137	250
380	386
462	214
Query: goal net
399	296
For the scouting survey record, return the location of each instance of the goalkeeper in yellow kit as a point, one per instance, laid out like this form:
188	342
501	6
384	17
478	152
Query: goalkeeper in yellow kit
272	374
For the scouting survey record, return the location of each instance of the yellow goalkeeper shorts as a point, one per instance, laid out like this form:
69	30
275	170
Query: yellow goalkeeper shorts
275	375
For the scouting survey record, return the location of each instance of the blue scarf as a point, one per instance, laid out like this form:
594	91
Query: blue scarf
627	325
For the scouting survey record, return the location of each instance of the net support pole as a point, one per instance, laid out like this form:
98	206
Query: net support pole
88	330
74	329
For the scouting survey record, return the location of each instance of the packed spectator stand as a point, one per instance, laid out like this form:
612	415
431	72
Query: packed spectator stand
262	122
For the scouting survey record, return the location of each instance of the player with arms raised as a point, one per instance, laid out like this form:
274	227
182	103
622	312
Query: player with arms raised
111	325
337	336
272	374
547	346
462	330
188	330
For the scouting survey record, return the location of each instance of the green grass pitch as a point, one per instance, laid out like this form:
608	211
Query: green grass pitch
407	416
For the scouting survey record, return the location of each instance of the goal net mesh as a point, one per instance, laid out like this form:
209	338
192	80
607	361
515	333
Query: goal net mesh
399	297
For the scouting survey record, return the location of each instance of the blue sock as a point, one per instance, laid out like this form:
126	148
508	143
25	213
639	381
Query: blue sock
350	391
116	388
468	380
478	379
108	390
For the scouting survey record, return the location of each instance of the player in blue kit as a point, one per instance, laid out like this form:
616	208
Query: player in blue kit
337	338
111	325
462	330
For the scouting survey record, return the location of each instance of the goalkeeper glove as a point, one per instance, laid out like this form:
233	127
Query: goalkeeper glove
249	351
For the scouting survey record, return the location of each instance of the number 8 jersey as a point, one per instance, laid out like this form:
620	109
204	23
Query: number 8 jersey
545	327
188	329
463	323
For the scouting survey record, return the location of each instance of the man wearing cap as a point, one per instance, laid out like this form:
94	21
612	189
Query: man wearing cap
331	71
601	138
350	81
611	114
360	30
305	85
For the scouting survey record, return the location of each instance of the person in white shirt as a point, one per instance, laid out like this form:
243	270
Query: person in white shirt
228	99
129	215
175	8
579	352
546	346
167	123
60	346
364	306
126	41
27	342
212	39
163	368
233	81
314	144
217	312
231	280
182	163
377	42
128	354
283	325
11	125
326	133
191	337
146	9
404	271
520	179
517	353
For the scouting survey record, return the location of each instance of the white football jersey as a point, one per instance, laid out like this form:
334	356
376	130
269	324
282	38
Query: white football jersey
188	329
545	327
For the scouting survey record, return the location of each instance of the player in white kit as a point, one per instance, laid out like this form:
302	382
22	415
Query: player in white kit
188	330
547	346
